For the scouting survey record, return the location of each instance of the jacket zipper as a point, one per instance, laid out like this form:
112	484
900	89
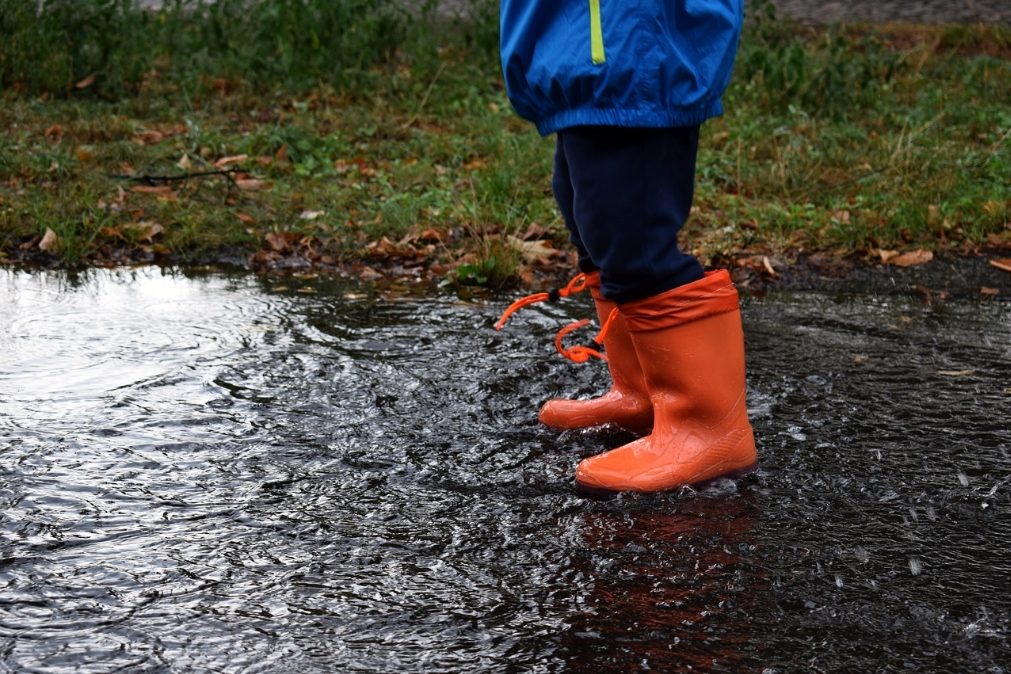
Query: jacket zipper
596	34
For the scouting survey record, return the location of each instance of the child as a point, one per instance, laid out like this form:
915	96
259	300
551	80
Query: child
625	86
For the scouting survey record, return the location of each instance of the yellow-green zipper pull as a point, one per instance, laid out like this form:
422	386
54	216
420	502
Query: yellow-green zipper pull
596	34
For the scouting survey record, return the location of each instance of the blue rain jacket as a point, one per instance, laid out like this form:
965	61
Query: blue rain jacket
634	63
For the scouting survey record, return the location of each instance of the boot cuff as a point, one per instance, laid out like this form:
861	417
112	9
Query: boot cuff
711	295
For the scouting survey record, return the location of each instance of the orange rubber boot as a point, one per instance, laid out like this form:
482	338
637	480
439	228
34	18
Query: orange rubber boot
691	347
627	404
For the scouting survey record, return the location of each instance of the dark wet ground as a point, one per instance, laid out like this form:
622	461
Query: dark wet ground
230	474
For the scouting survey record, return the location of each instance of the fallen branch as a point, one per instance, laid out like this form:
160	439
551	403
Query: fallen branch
156	180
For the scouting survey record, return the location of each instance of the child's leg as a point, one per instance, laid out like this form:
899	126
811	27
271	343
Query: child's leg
631	192
561	185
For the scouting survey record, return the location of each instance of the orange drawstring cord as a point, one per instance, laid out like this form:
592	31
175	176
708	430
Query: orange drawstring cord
579	353
576	285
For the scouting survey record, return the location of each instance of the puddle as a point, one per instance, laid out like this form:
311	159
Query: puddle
209	473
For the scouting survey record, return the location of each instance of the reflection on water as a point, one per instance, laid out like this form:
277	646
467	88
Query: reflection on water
216	473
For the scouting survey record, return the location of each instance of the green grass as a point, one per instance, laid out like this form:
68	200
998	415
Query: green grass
360	125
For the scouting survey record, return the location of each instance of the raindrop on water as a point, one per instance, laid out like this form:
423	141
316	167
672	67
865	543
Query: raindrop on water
796	433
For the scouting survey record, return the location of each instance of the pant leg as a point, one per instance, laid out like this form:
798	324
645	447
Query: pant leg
561	185
632	193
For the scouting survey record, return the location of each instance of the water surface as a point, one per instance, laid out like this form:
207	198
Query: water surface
223	473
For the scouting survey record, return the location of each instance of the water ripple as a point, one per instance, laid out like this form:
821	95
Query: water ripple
211	473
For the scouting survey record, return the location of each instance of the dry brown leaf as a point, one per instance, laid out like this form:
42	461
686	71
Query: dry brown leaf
282	154
245	217
431	234
539	250
84	153
54	133
280	242
151	189
86	82
144	230
252	184
1004	264
185	163
49	241
884	255
535	231
156	249
760	264
148	137
369	274
912	258
767	266
385	248
999	239
987	291
225	162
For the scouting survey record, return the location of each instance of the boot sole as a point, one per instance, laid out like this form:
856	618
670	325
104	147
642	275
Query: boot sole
603	493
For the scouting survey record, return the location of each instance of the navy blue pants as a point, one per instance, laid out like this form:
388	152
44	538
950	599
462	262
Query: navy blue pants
624	195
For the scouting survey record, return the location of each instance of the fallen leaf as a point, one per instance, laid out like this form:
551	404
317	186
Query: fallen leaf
992	207
767	266
475	164
986	291
311	215
144	230
539	250
252	184
912	258
884	255
156	249
369	274
185	163
1004	264
384	248
431	234
280	241
229	161
54	133
151	189
534	231
84	153
86	82
282	154
49	241
148	137
245	217
760	264
1002	239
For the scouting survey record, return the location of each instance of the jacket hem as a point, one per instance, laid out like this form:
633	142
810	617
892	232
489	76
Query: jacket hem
651	119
